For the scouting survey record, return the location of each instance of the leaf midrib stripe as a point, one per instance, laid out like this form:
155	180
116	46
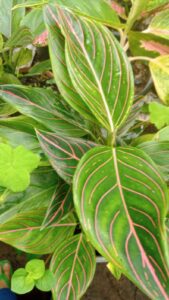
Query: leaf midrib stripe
143	254
93	71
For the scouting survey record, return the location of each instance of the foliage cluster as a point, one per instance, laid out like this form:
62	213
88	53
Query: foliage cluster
84	141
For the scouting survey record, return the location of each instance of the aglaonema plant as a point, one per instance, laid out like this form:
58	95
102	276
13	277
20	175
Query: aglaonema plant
109	192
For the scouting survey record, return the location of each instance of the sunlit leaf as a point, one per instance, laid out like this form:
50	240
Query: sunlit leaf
160	24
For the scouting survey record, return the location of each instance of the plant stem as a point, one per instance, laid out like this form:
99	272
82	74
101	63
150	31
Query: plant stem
111	139
140	58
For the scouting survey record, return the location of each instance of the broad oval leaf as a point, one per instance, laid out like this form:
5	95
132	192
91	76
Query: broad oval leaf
73	265
63	153
160	72
122	202
24	232
44	106
99	69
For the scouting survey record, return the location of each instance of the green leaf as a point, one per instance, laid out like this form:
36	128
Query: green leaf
35	268
57	55
102	12
21	37
60	205
34	21
47	282
122	201
154	4
5	17
162	135
21	283
99	69
18	137
136	9
159	152
160	25
73	264
44	106
22	58
6	109
17	15
24	232
160	72
63	153
16	166
159	114
40	68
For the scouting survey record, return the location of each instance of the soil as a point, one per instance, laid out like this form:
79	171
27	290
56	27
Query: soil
103	287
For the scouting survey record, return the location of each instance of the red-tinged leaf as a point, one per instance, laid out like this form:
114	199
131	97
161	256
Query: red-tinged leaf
73	265
44	106
155	47
147	44
99	69
60	205
118	8
122	202
42	39
24	232
63	153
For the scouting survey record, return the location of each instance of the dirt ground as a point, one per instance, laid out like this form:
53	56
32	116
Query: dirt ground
104	286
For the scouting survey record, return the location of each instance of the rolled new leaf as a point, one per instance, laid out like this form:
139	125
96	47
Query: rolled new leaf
122	202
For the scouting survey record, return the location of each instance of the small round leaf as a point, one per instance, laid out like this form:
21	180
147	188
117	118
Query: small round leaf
47	282
35	268
21	282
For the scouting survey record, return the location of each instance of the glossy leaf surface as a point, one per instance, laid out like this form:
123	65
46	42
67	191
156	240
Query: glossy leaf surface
42	105
73	265
99	69
122	202
63	153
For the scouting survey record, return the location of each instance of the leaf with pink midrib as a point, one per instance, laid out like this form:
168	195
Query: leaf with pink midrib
122	197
